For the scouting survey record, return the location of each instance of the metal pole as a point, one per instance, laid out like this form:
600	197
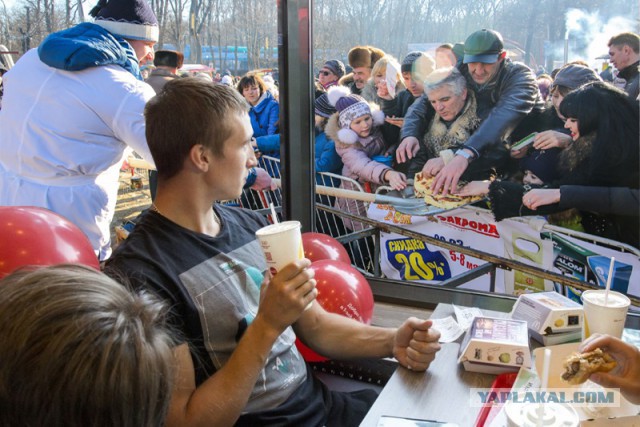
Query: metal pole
296	113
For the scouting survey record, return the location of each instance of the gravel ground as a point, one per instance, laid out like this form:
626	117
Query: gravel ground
130	201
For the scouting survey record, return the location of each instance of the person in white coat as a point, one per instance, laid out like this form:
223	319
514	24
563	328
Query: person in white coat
71	109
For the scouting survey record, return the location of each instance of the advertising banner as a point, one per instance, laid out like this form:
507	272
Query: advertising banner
405	258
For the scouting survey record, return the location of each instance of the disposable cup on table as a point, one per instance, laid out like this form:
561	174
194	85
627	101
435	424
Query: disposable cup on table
604	315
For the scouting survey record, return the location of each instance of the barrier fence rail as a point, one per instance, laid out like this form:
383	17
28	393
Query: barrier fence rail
361	237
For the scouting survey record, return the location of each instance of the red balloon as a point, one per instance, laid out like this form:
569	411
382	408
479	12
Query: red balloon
319	246
343	290
37	236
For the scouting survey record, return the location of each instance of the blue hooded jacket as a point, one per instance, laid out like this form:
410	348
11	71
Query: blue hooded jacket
264	121
87	45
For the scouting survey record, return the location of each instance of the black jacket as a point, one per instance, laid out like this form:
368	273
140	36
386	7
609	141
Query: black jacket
502	104
631	75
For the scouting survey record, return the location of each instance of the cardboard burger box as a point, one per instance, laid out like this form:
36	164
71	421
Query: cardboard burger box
552	317
495	346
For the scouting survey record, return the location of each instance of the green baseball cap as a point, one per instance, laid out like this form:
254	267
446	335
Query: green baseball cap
483	46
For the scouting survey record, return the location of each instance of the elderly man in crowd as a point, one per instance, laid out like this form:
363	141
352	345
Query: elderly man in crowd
624	54
330	73
361	59
167	63
455	120
506	92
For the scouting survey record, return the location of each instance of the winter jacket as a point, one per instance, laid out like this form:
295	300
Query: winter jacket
327	158
605	213
357	157
631	75
70	110
443	135
264	121
502	104
347	81
160	77
358	165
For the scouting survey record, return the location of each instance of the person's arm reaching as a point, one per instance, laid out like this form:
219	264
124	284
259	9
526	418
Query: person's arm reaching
518	94
415	125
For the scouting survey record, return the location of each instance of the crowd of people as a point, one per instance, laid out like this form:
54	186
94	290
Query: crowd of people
202	333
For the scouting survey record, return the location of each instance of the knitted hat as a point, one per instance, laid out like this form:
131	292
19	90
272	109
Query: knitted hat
335	66
351	107
129	19
420	64
458	51
323	107
168	58
226	80
483	46
573	76
364	56
542	164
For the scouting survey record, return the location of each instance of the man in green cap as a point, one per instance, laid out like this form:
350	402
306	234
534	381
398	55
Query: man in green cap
506	93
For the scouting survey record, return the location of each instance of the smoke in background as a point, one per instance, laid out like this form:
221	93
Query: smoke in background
588	35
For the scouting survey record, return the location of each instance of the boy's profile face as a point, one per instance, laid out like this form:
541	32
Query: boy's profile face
228	173
362	125
531	179
413	84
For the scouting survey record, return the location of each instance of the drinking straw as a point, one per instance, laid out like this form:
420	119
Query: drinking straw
545	383
609	277
275	217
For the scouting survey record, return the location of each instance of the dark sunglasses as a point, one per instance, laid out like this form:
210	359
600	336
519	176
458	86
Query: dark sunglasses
325	73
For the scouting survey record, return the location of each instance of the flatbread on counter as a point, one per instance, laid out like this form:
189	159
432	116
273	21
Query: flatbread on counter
422	188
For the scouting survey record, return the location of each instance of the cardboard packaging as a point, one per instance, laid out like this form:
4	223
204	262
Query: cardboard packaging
495	346
552	318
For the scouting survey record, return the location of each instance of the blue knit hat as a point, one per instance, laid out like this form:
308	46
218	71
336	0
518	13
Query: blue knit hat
350	107
542	164
129	19
323	107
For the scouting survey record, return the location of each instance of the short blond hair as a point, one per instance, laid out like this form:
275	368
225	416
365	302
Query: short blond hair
79	349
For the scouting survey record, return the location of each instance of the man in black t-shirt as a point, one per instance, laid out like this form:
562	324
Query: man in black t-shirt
237	363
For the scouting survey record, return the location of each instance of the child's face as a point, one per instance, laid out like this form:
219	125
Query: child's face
362	125
530	179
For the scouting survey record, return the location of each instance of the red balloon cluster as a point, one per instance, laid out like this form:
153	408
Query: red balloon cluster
37	236
341	288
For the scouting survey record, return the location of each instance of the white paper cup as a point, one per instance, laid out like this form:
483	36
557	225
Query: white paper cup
602	319
555	414
281	244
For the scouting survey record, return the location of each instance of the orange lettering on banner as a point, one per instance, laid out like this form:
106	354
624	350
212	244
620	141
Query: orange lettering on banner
486	229
385	207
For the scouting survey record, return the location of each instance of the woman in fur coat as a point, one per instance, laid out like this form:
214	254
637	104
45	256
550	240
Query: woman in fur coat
604	153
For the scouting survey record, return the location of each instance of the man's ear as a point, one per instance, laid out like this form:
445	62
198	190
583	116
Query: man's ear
502	56
200	158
